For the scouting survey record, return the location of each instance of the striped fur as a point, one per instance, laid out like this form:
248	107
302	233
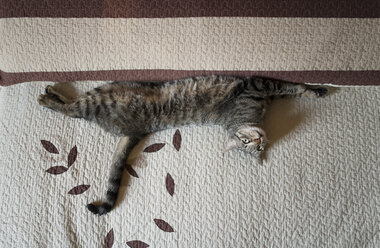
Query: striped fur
119	160
133	110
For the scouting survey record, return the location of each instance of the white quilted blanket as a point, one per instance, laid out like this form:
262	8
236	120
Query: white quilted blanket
319	185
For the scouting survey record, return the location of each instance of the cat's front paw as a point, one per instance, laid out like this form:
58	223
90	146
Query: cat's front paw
319	92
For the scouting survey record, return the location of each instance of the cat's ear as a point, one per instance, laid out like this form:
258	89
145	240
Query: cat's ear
231	144
259	159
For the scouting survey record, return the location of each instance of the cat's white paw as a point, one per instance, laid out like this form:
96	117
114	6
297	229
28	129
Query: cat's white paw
42	100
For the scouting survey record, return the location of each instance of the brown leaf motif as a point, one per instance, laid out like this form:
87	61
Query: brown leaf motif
109	239
72	156
49	146
177	139
80	189
56	170
163	225
131	171
155	147
137	244
169	184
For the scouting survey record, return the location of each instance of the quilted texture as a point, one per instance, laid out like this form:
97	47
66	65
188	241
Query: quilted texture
313	50
318	187
191	44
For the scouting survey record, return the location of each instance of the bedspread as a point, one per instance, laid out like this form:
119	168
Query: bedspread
319	185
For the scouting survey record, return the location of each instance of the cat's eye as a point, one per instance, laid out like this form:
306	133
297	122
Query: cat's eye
260	148
245	141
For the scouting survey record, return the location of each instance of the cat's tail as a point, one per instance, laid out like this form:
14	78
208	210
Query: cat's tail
124	148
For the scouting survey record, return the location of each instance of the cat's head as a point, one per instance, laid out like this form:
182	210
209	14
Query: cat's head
250	139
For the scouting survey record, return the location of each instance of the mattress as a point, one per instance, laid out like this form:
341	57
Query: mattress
318	186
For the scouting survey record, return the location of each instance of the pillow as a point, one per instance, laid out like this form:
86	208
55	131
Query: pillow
334	42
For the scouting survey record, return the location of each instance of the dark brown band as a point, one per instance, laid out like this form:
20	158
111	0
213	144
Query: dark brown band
317	77
190	8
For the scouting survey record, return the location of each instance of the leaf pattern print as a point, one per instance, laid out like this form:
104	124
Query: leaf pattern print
154	148
56	170
131	171
72	156
49	146
137	244
169	184
109	239
80	189
177	140
163	225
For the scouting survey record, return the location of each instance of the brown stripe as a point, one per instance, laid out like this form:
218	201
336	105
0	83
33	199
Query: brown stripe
318	77
190	8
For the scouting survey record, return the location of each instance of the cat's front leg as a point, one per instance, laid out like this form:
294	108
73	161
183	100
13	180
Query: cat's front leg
269	87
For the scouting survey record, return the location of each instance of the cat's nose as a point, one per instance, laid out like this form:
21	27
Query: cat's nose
261	137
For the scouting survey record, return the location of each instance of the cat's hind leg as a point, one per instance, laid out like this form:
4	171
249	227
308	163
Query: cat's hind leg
55	103
51	91
51	102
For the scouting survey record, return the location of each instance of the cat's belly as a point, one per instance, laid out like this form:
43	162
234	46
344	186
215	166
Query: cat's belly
173	120
151	118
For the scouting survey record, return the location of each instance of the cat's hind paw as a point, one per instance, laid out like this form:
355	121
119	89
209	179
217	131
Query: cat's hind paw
49	101
49	90
44	100
41	100
52	92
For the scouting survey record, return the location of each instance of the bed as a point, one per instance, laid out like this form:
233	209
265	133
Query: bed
319	184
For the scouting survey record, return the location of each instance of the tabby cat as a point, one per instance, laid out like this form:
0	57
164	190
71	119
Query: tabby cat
133	110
